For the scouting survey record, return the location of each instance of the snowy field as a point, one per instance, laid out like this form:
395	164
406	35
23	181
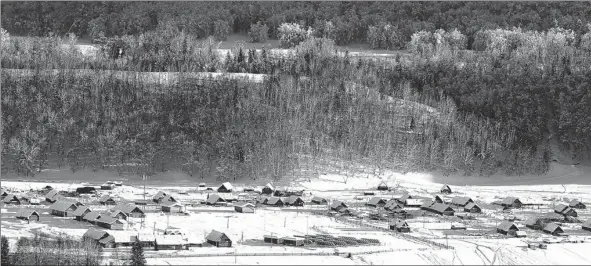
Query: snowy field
479	245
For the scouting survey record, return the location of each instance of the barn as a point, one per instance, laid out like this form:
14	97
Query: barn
587	225
295	201
511	202
111	223
268	189
214	200
52	196
107	200
170	242
92	216
461	201
272	239
534	223
226	187
293	241
441	209
158	197
319	201
376	202
507	228
577	204
63	208
174	207
80	212
86	190
400	226
27	214
383	186
131	210
445	189
97	235
11	199
338	205
274	201
472	208
218	239
553	229
244	208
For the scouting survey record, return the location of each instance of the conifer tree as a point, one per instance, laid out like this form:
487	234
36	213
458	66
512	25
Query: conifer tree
137	254
5	249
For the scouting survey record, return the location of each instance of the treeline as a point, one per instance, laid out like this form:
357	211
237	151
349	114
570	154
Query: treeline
387	25
60	250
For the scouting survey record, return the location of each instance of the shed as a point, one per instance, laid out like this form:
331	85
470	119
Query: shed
553	229
338	205
158	197
512	202
226	187
214	200
319	201
86	190
445	189
170	242
109	222
92	216
131	210
80	212
400	226
172	207
52	196
274	201
272	239
107	200
376	202
461	201
587	225
293	241
295	201
576	204
507	227
27	214
218	239
244	208
268	189
383	186
472	208
11	199
63	208
534	223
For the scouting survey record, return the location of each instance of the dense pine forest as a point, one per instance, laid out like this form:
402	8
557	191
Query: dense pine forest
479	93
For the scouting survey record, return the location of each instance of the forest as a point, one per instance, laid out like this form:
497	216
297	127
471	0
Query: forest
475	103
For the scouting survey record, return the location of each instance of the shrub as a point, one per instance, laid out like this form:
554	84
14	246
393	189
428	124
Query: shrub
292	34
221	29
259	32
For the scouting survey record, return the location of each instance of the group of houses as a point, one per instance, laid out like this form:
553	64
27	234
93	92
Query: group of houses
168	203
15	199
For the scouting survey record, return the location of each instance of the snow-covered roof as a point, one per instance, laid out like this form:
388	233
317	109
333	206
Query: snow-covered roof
105	198
375	201
214	199
414	202
170	240
462	201
227	185
95	234
268	185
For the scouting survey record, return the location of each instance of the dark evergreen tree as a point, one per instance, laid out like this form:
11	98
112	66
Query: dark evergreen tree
5	251
137	254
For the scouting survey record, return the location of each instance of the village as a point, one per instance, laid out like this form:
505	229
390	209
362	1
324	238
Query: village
225	219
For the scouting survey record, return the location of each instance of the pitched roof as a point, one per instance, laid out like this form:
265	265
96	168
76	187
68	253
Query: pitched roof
510	200
392	204
401	223
159	195
507	225
227	185
170	240
440	207
461	200
274	200
532	221
108	219
587	223
114	212
427	204
404	197
318	199
129	207
471	205
52	194
268	185
375	201
383	184
552	227
80	211
62	205
560	208
574	203
105	198
3	192
414	202
445	186
93	215
215	236
108	239
244	205
9	198
337	203
26	213
215	198
171	204
292	199
95	234
169	198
